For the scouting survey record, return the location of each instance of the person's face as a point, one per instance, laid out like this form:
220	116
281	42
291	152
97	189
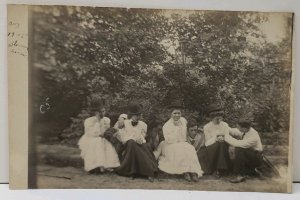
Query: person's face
176	114
101	112
136	118
242	129
121	119
193	131
217	119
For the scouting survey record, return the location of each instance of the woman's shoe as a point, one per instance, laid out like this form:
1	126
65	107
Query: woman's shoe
94	171
238	179
101	169
195	177
150	179
217	174
187	177
110	169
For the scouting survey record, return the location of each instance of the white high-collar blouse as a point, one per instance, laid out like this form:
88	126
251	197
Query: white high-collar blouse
135	133
175	133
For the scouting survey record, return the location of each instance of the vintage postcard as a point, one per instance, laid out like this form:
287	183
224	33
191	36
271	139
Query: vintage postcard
133	98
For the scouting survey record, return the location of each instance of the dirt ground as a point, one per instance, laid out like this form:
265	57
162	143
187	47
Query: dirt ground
69	177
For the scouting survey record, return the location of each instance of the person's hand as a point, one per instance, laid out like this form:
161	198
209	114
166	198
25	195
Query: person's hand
220	138
121	124
140	140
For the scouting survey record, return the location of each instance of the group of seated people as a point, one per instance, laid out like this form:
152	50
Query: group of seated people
185	149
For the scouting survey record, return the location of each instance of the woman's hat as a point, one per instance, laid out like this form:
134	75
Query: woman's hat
96	104
175	105
214	108
135	109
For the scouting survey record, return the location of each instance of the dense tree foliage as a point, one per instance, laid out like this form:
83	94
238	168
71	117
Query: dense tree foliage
155	56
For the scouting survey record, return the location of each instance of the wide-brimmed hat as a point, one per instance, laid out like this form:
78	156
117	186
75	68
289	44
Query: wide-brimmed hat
135	109
96	104
175	105
214	108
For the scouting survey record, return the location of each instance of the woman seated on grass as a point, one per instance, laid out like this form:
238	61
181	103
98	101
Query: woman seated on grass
175	154
217	154
137	158
98	153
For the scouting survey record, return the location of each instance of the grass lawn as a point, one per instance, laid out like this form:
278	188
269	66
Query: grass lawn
65	170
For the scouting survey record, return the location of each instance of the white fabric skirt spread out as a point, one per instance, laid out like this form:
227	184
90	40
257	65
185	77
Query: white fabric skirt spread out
97	152
179	158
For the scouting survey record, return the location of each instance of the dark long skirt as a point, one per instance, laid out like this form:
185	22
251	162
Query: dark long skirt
217	157
202	157
246	160
137	160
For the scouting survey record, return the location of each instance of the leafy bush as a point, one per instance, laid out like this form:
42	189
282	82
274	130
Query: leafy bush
152	57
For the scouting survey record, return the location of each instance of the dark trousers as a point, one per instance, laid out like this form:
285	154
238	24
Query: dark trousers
246	160
217	157
137	160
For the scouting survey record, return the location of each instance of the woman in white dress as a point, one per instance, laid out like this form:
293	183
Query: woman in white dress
98	154
177	156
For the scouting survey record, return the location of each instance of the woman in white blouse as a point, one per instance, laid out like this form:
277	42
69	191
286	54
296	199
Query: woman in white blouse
177	156
98	154
216	149
137	159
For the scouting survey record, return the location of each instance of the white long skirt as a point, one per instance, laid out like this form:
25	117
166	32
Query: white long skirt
178	158
97	152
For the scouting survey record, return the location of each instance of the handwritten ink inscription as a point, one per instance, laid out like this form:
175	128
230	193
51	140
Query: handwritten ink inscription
17	39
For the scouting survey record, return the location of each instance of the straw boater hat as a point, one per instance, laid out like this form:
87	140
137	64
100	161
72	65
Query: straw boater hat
135	109
175	105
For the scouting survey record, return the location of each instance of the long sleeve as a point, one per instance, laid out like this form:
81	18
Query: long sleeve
245	143
235	133
125	134
116	126
106	124
199	141
210	138
121	135
183	131
144	130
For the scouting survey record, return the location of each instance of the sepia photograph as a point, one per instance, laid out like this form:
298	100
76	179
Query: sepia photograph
159	99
